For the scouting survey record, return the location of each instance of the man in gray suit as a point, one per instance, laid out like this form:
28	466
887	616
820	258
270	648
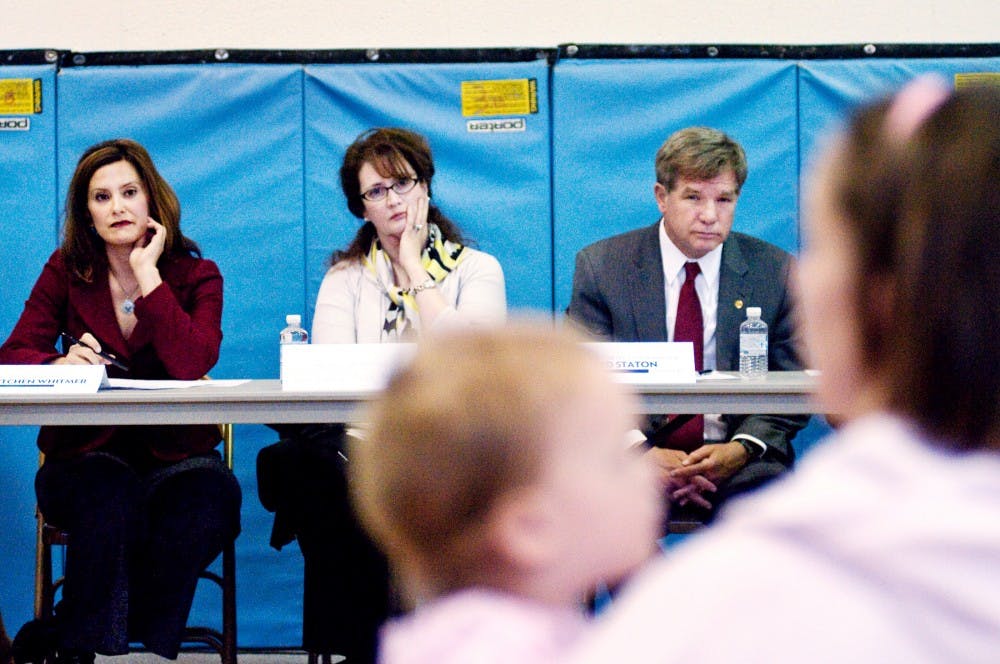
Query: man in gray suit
626	288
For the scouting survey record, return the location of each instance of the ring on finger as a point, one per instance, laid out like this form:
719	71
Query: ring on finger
418	227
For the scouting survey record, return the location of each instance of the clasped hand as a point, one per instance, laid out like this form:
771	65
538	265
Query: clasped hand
694	477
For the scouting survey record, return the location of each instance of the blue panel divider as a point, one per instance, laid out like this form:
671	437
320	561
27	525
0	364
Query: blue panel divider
28	204
829	89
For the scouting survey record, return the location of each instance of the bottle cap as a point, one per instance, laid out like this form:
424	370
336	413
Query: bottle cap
293	319
753	312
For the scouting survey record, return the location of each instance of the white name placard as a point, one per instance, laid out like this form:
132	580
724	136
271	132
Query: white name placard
340	367
649	362
52	378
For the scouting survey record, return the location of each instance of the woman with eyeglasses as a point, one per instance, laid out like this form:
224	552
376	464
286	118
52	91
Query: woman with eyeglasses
406	274
407	271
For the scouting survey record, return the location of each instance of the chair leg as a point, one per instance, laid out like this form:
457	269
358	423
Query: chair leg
221	641
43	572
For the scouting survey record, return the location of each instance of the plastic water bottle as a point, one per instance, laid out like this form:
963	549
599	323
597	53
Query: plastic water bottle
292	335
753	345
294	332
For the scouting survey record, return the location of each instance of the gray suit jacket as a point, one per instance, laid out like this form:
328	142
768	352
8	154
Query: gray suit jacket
618	296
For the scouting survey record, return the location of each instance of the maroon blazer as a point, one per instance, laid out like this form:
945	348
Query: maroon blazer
177	336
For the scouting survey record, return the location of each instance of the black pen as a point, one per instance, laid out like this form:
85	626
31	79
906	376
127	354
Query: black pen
72	341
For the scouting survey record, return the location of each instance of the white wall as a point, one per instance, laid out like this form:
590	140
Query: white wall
114	25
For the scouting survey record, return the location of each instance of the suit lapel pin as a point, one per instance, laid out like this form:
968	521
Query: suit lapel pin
738	304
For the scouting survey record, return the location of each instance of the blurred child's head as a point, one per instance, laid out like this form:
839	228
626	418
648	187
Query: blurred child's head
899	279
497	459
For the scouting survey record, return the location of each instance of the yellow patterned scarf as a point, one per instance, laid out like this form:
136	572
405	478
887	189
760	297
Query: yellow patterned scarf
440	257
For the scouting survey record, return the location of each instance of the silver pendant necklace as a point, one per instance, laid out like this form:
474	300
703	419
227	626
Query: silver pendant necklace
128	304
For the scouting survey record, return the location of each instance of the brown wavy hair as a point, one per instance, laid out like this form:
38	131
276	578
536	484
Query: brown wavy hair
392	152
699	153
944	369
83	249
924	215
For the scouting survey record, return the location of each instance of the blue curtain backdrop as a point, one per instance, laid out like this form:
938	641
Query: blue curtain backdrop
253	152
28	219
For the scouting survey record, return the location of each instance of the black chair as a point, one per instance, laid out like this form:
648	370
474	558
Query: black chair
222	641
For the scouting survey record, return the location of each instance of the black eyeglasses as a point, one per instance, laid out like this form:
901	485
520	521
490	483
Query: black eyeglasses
380	191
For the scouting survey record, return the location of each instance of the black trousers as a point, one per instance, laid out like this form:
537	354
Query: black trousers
140	532
347	589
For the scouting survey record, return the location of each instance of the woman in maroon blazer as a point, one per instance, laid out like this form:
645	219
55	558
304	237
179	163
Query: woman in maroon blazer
146	507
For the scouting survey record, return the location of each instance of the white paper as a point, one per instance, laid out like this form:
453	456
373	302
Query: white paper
134	384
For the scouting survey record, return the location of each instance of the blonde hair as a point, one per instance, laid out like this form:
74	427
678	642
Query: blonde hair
461	426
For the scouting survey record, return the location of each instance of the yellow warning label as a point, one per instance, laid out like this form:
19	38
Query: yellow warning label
20	96
516	96
977	78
